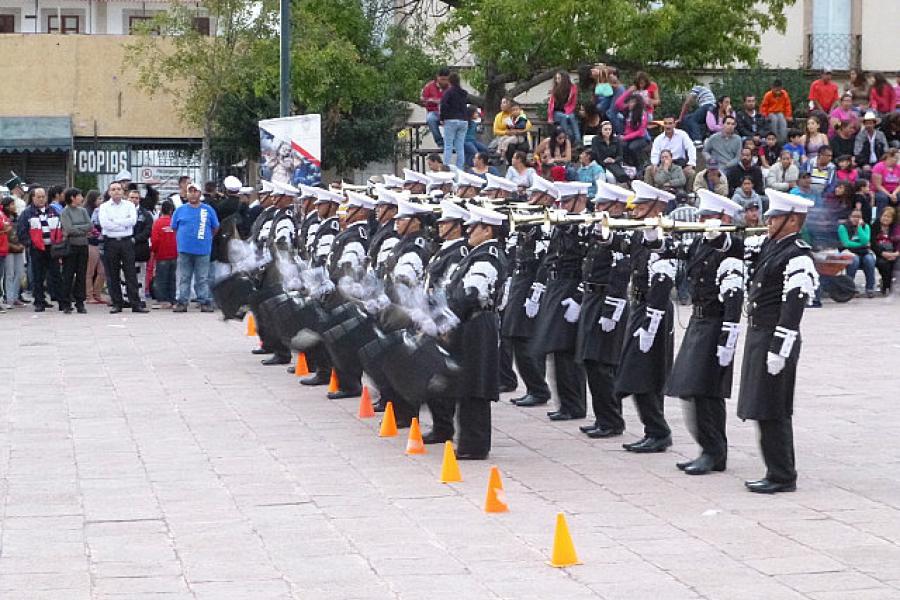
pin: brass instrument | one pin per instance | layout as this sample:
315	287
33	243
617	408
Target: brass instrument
610	223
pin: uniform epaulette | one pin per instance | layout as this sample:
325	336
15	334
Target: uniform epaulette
420	242
364	232
801	243
335	224
464	250
494	251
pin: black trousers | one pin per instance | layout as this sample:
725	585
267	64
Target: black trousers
443	411
776	440
271	341
531	368
708	426
508	377
73	276
43	269
570	384
650	410
404	410
120	260
318	360
601	380
474	425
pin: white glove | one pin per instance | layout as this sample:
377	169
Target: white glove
377	304
533	302
775	363
607	324
325	288
712	226
651	234
446	321
428	327
504	298
573	310
646	336
725	354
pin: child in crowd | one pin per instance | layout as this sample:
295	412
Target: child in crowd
845	170
745	194
770	151
795	147
165	251
864	199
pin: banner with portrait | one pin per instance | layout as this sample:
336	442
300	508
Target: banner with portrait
291	150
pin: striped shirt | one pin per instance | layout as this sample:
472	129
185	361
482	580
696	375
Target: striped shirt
686	213
44	216
704	96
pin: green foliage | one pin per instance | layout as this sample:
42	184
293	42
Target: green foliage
757	82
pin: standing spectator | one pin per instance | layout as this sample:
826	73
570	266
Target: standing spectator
870	143
693	122
562	104
76	226
430	99
117	218
678	143
555	150
724	146
55	198
813	139
634	139
770	151
821	171
711	179
750	123
164	246
589	171
881	96
453	114
38	228
608	152
776	107
858	87
795	147
5	227
745	169
142	230
14	262
843	140
472	144
823	93
95	278
856	237
668	175
886	180
195	225
745	194
886	244
784	174
843	112
715	119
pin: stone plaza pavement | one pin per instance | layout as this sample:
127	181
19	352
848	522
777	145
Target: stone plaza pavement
152	457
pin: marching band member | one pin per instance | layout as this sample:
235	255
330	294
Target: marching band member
783	281
556	323
392	182
499	188
309	223
385	237
604	313
701	375
468	185
414	182
440	183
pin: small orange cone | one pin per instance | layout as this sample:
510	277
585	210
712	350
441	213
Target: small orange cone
301	368
388	422
333	385
365	405
251	325
450	468
495	502
414	443
563	554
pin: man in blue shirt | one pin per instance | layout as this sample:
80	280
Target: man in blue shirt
195	225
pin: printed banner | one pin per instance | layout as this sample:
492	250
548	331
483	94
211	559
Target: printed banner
291	149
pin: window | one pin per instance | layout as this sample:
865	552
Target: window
831	43
70	24
201	24
7	24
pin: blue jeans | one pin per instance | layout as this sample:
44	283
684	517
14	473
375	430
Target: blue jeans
164	281
868	266
695	122
569	124
14	269
433	120
455	132
471	149
617	120
196	267
604	104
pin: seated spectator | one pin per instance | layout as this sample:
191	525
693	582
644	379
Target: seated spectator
745	168
561	105
843	201
589	171
823	93
856	236
724	146
554	150
776	107
668	175
750	145
843	112
813	139
784	174
647	89
435	163
481	166
715	119
612	114
821	171
843	139
886	180
679	145
711	179
164	247
890	127
750	123
770	151
695	121
519	172
634	139
430	98
858	87
511	129
845	170
472	144
608	151
596	81
870	143
795	147
864	199
886	244
745	194
590	119
750	217
881	95
804	188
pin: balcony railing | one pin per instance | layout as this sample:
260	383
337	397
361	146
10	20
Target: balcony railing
837	51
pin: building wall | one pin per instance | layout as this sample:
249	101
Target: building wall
91	86
785	50
880	24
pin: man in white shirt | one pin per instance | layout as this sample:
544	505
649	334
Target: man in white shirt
679	143
117	220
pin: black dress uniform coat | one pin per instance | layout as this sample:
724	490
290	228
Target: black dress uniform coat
783	280
529	251
715	269
383	241
406	263
605	275
322	241
443	264
307	234
349	251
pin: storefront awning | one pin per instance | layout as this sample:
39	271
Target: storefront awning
35	134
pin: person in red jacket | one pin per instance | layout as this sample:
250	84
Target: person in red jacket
165	252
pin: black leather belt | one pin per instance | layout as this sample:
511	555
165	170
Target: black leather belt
594	288
638	296
707	313
555	275
761	323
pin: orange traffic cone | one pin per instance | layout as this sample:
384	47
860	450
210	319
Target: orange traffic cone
450	468
333	384
414	443
495	502
251	325
563	554
301	368
365	405
388	422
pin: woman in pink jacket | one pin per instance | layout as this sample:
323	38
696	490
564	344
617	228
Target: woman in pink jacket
562	104
635	136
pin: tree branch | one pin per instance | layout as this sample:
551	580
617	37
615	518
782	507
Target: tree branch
524	86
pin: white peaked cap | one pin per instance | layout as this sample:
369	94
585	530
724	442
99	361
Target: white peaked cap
386	196
409	176
499	183
307	191
232	183
607	192
288	190
463	178
710	202
328	196
645	192
392	181
438	178
407	209
539	184
782	203
572	188
451	211
245	190
123	175
359	200
478	214
266	187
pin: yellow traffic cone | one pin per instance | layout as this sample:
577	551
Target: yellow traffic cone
563	554
251	325
450	468
495	502
388	422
